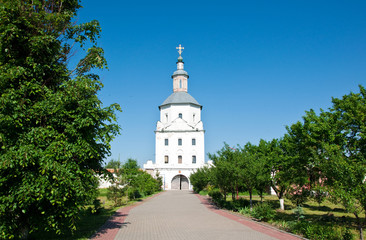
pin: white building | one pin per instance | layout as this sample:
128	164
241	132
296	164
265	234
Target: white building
179	135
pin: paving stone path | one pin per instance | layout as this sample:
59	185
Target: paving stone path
175	215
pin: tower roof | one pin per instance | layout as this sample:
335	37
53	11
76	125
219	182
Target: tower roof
180	98
180	72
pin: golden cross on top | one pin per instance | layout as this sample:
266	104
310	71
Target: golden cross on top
180	48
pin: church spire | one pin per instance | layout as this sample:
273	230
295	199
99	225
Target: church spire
180	77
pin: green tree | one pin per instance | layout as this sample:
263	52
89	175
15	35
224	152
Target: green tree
281	165
262	169
54	132
225	172
331	147
132	180
115	164
248	169
342	156
254	173
200	179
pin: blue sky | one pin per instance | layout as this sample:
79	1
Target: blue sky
255	66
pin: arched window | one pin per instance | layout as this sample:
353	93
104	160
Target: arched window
166	159
193	159
180	83
166	142
193	141
180	115
179	142
179	159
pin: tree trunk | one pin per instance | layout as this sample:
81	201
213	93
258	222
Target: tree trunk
282	204
251	202
361	234
359	225
261	195
237	193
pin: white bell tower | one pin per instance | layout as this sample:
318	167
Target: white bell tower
179	134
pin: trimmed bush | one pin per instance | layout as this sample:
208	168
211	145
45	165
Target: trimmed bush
263	212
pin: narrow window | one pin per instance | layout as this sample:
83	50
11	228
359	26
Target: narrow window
166	117
180	83
166	142
180	115
179	159
194	117
166	159
193	159
179	142
193	141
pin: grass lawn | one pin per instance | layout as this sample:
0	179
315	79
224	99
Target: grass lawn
88	223
327	213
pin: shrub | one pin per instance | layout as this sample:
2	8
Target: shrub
134	193
200	179
115	194
347	235
317	231
245	211
216	195
299	212
239	204
97	207
218	198
263	212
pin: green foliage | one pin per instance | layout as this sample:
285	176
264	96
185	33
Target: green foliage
216	195
54	132
132	182
316	231
298	196
254	172
263	211
115	164
225	173
319	194
246	211
131	166
97	207
116	193
200	179
133	194
299	212
331	146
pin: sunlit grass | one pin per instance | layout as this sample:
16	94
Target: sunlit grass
326	213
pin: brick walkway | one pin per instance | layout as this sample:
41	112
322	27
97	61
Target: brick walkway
183	215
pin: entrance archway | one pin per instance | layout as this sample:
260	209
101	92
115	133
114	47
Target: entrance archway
180	182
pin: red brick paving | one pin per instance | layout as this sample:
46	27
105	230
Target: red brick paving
110	229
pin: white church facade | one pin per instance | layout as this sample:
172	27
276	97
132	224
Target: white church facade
179	135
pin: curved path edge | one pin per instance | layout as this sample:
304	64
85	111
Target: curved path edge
111	227
271	231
